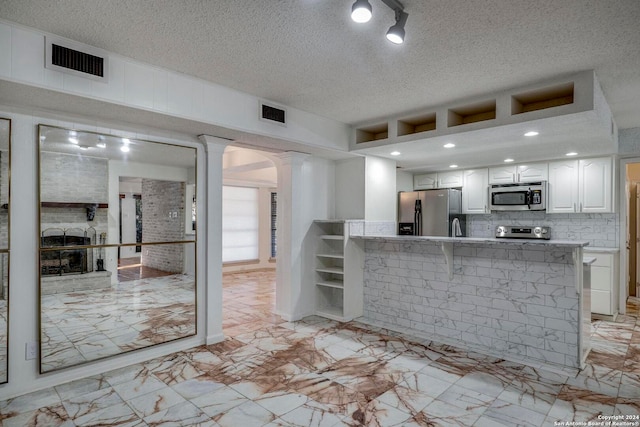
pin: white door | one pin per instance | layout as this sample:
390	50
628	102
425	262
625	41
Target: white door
502	175
563	187
128	207
595	185
533	172
475	192
637	242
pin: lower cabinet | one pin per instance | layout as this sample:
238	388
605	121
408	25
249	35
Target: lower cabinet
604	283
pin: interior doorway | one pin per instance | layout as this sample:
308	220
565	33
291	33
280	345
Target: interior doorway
249	229
629	230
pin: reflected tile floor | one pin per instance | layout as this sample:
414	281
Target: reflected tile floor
323	373
88	325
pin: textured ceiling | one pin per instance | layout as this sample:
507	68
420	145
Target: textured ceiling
309	54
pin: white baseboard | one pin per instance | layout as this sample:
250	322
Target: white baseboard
214	339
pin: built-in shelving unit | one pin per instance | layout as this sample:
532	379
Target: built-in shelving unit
338	271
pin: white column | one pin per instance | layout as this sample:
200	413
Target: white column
213	311
290	303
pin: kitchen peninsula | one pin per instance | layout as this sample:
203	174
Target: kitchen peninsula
524	300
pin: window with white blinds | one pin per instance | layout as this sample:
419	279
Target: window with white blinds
239	224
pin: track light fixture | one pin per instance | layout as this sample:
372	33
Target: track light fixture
361	12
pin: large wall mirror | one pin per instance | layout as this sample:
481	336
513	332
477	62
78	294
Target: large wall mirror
117	245
5	144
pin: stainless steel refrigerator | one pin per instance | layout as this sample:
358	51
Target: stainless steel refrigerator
431	213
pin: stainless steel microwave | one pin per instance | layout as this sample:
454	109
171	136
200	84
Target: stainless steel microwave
529	196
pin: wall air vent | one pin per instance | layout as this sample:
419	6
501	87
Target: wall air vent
75	58
273	114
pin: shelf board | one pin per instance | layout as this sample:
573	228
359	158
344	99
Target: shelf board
334	313
334	256
333	270
332	237
331	284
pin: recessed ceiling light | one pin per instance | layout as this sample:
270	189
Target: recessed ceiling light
125	148
532	133
453	166
572	153
508	160
126	140
449	145
395	153
73	133
73	140
101	145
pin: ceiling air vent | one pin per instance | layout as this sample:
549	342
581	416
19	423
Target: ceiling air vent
75	58
272	114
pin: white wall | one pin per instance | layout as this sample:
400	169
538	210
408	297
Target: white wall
404	181
138	85
380	192
350	188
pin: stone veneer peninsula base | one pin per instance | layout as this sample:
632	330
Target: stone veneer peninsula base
522	300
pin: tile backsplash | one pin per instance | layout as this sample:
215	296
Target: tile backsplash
600	230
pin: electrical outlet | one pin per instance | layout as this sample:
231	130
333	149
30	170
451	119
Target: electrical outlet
31	350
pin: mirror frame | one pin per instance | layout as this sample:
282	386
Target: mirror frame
7	251
106	246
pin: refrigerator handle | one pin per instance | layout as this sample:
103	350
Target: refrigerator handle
417	218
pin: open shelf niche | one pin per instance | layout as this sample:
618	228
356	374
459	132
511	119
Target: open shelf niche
474	113
417	124
338	270
543	98
372	133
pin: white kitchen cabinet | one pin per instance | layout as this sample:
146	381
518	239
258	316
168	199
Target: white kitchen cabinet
604	282
562	188
533	172
475	192
580	186
502	174
430	181
595	190
338	272
427	181
451	179
518	173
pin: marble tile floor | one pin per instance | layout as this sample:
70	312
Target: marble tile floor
318	372
132	269
87	325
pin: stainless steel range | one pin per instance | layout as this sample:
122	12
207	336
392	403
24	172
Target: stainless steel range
523	232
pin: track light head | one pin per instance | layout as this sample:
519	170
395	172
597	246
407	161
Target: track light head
396	32
361	11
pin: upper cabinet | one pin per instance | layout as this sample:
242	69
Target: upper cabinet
581	186
475	193
450	179
427	181
430	181
518	173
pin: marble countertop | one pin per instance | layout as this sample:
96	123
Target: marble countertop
479	240
588	260
600	249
